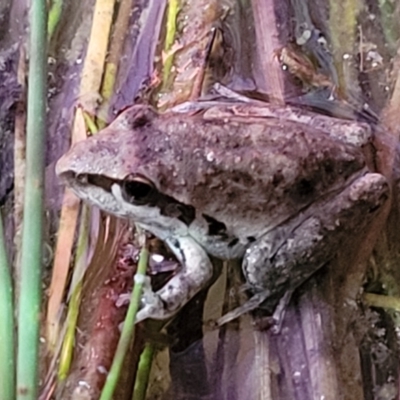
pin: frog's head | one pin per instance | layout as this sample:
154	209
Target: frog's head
116	171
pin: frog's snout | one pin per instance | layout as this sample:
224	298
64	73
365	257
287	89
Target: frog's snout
82	158
71	161
62	165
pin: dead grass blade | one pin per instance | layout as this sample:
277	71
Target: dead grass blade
88	96
270	77
19	166
115	52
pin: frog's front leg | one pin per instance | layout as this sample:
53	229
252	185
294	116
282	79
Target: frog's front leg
281	260
196	272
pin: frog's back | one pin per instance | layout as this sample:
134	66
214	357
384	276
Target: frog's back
243	172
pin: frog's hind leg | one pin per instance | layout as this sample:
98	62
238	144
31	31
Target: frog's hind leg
282	260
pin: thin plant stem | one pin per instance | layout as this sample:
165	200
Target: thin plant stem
121	27
75	301
69	339
382	301
143	372
173	9
128	331
32	243
54	17
7	346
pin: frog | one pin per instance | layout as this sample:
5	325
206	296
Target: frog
282	191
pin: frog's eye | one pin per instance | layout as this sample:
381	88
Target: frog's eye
138	190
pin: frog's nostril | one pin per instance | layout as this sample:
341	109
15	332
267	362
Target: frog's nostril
71	176
67	176
81	178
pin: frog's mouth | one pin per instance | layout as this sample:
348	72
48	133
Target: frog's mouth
136	190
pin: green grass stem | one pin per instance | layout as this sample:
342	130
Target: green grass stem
128	330
7	346
173	10
382	301
143	372
32	235
75	301
54	17
69	339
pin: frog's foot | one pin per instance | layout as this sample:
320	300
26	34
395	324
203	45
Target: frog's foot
151	303
196	272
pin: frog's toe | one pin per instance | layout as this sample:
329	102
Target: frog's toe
152	307
274	322
148	311
150	301
250	305
280	310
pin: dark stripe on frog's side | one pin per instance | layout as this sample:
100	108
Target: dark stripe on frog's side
170	207
233	242
215	228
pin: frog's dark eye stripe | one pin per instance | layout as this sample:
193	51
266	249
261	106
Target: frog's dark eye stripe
138	190
96	180
175	209
215	228
233	242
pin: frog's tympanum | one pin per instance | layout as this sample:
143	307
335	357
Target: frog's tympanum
281	195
